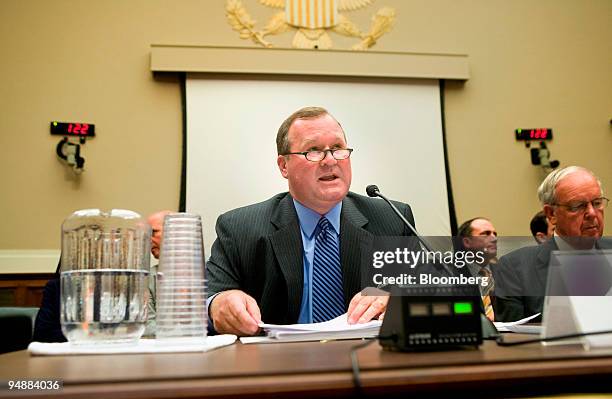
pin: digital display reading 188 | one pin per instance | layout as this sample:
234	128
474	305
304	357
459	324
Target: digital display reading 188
73	129
534	134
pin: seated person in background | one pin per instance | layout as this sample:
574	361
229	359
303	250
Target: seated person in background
47	327
572	199
541	228
156	220
296	257
474	235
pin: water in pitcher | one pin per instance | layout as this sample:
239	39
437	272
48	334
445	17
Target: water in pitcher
104	276
104	305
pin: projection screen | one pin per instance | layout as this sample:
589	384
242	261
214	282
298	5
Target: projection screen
395	127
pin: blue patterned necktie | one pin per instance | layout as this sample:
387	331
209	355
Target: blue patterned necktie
327	292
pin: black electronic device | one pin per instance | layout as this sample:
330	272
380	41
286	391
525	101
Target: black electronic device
432	317
414	321
73	129
535	156
69	148
70	153
533	134
541	156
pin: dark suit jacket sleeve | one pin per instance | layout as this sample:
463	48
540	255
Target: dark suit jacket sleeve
222	267
509	304
47	327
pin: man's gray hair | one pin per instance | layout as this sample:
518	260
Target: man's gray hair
547	192
282	137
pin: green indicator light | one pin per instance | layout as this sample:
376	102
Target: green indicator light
463	308
54	123
519	130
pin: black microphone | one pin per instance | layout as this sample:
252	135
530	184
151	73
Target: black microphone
373	191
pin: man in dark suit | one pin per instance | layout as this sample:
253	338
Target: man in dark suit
573	202
263	264
47	327
541	228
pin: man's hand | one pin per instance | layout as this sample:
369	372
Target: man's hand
235	312
364	308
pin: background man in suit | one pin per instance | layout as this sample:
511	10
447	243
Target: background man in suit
474	235
47	327
572	199
266	261
541	228
156	220
479	234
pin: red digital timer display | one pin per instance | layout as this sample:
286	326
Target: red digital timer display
533	134
73	129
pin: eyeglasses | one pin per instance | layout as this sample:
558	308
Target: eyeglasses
317	156
598	204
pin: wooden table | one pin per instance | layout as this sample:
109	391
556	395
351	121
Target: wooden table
319	369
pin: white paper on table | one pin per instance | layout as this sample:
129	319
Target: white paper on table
340	323
518	327
337	328
141	346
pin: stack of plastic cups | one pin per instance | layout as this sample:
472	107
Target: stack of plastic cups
181	288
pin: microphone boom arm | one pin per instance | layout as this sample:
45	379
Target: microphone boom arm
373	191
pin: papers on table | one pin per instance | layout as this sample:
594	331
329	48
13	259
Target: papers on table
337	328
142	346
519	327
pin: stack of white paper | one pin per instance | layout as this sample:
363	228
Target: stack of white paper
519	327
337	328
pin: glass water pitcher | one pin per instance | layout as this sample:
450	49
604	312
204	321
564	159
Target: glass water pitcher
104	276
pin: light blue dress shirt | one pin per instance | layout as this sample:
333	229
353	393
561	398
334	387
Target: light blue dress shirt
308	224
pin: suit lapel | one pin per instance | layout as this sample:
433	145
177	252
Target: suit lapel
543	258
354	243
287	245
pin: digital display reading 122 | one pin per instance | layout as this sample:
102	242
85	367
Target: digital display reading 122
73	129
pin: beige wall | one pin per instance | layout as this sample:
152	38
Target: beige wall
539	63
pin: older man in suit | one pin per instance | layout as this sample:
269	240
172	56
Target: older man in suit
573	201
296	257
